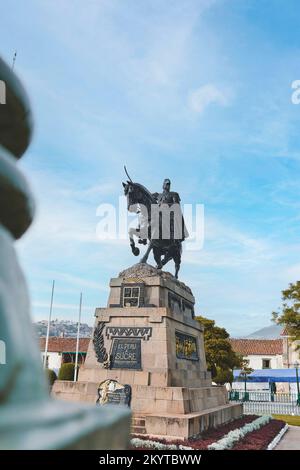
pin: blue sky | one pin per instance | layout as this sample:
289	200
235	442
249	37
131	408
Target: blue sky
197	91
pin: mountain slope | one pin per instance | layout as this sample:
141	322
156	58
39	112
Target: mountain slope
269	332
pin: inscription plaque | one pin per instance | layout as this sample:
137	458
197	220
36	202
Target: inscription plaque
126	354
111	392
186	346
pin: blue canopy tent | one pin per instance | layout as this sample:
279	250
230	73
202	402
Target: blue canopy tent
267	375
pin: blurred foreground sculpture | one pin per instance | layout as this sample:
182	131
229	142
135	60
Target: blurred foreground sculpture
29	419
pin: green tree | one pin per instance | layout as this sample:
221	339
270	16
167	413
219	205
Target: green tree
220	357
51	376
66	371
245	370
289	313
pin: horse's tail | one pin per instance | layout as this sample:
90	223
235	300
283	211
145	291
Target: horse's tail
127	174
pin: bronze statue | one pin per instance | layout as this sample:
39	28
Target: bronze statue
161	223
167	197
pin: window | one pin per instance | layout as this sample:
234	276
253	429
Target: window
266	363
131	296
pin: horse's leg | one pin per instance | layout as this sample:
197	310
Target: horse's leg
157	257
145	257
177	260
167	258
135	250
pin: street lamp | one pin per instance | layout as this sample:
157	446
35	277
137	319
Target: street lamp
296	365
246	394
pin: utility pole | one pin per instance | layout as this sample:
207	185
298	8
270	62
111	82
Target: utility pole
14	60
77	342
48	327
297	379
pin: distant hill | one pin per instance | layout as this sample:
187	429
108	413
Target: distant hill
64	328
269	332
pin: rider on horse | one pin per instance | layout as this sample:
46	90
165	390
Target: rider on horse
161	222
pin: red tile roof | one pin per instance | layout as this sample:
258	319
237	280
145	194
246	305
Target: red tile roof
61	345
248	347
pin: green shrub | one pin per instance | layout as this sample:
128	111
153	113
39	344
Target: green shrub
66	372
222	376
51	376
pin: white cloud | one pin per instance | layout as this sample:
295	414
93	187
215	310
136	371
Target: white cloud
62	306
292	273
201	98
78	281
228	246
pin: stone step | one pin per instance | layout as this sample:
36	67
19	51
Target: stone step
138	421
138	424
138	430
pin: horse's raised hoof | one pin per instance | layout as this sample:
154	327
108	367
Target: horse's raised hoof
136	251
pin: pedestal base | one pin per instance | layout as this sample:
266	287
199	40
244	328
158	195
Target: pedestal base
180	427
169	412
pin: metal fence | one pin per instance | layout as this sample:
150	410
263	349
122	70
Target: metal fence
255	402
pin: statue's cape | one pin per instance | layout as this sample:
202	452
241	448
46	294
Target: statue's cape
170	224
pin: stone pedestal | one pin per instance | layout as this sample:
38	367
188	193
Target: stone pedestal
147	337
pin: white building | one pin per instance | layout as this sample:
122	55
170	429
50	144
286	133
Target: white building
260	353
267	354
62	350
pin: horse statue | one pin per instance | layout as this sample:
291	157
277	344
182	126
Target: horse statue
161	223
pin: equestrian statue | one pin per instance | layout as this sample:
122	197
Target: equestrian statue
161	223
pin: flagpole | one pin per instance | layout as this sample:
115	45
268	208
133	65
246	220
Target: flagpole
14	60
48	327
77	342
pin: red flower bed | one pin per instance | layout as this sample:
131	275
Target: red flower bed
256	440
260	439
212	435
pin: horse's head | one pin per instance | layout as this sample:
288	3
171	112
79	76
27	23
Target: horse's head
130	193
136	194
126	187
